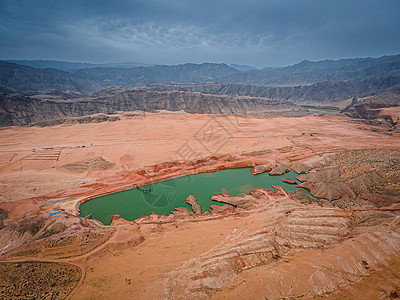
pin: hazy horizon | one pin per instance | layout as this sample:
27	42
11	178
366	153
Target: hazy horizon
205	62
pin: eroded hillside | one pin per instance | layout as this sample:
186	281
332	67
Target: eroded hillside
273	243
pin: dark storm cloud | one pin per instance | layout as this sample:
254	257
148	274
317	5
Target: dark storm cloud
273	32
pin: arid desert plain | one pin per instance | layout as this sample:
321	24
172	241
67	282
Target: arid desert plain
271	244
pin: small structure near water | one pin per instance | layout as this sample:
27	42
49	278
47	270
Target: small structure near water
54	213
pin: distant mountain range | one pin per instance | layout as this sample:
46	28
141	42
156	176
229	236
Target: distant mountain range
307	73
242	67
29	94
86	78
20	78
65	65
141	76
321	92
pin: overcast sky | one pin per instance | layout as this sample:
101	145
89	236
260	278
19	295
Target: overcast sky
253	32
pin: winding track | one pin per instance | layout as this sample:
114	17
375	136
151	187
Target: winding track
77	261
80	260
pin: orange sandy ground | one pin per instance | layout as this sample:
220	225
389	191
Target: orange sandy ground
142	272
141	141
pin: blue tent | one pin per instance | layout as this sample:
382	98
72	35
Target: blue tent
54	213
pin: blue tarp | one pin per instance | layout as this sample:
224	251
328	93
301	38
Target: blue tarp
54	213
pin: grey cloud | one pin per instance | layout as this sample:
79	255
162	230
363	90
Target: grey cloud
272	32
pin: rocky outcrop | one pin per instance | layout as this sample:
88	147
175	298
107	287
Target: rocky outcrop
358	268
358	174
256	198
301	195
279	170
283	231
52	236
98	118
317	92
126	237
385	198
222	208
184	210
21	110
261	169
328	190
293	242
192	201
369	109
283	243
242	201
301	168
321	92
289	180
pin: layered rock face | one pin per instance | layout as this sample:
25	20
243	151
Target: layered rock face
21	110
203	276
370	109
367	177
321	92
276	246
56	236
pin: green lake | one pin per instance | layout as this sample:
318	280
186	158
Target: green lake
167	195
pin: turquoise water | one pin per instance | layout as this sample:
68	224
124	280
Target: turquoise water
167	195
